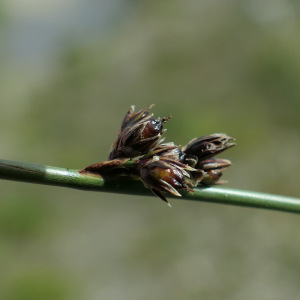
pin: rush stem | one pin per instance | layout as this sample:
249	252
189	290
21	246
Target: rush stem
40	174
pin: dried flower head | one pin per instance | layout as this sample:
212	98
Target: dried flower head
162	174
204	147
139	133
163	167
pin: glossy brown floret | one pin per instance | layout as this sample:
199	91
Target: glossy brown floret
205	147
139	133
161	174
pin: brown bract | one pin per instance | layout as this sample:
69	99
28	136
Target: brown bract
105	167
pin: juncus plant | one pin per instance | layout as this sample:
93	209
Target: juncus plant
163	167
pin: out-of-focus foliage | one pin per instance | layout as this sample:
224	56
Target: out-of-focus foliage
216	66
36	285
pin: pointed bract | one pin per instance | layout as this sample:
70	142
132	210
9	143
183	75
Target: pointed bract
105	167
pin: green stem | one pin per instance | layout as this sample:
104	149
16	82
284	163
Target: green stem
34	173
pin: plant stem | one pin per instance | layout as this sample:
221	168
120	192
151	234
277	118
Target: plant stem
34	173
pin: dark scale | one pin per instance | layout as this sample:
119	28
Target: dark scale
153	128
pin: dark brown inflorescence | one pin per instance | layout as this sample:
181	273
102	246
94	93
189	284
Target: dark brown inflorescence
139	133
163	167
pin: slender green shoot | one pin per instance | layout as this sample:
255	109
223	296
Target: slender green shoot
40	174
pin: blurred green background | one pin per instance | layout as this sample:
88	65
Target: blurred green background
69	72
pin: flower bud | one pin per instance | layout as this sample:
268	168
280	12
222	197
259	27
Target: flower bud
139	133
162	174
213	169
202	148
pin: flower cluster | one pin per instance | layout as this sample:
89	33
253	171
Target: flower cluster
163	167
